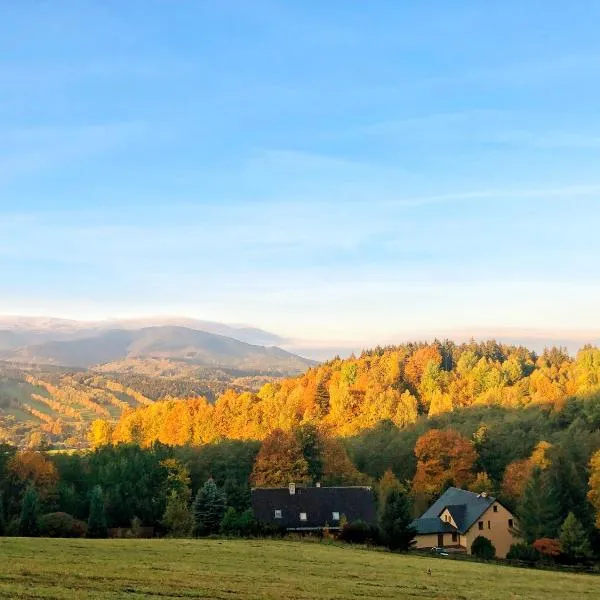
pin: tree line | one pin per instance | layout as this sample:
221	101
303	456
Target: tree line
397	384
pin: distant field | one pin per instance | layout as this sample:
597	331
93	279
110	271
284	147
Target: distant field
69	569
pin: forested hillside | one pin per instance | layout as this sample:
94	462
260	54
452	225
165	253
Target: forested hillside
396	384
55	407
483	416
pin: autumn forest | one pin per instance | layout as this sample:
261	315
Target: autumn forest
417	417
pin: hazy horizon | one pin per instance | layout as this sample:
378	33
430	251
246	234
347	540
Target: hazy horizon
319	349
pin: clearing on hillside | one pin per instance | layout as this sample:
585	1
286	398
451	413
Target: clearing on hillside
260	569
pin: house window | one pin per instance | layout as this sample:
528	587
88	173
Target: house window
510	523
278	514
303	517
495	508
455	537
489	524
335	516
480	525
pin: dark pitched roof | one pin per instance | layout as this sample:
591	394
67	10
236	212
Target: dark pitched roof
465	507
459	513
425	526
319	504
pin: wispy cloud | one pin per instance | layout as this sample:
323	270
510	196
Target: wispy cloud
481	126
26	151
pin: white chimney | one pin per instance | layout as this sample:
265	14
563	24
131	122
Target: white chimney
292	489
318	484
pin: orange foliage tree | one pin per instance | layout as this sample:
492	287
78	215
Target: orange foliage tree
279	461
516	476
417	363
31	467
443	457
518	472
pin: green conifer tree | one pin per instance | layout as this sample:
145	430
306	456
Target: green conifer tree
538	511
567	475
395	520
573	539
97	518
322	399
208	509
28	523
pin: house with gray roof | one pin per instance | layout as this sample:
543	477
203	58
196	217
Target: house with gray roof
458	516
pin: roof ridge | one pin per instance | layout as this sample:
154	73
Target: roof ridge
314	487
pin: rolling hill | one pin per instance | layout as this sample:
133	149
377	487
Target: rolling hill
170	342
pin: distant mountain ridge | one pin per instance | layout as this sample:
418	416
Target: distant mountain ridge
38	329
86	348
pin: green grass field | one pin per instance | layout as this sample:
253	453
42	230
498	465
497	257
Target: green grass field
68	569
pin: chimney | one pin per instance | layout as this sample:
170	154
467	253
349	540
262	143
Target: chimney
318	484
292	489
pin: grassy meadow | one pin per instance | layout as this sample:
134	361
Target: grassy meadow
239	569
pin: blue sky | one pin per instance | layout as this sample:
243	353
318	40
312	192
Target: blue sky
337	171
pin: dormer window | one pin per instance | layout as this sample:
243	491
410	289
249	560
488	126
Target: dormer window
278	514
303	517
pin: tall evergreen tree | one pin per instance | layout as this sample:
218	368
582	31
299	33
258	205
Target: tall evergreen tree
208	509
97	520
394	523
538	512
309	439
573	539
28	523
322	399
567	474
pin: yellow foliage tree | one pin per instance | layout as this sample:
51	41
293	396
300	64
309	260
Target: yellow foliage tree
100	433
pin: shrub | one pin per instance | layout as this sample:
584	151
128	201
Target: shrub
13	527
358	532
240	524
523	552
136	527
547	547
483	548
2	521
61	525
178	519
